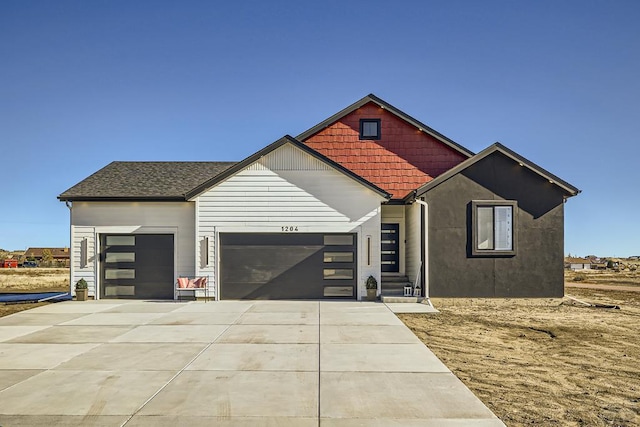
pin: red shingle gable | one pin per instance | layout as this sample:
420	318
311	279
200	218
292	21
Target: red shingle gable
403	159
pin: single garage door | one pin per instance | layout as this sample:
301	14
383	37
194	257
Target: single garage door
287	266
136	266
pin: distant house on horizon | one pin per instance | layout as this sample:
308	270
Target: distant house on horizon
574	263
59	255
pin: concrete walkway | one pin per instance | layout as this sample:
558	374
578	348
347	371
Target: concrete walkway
270	363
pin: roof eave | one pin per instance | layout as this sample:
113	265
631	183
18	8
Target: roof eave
63	198
399	113
287	139
553	179
409	198
497	147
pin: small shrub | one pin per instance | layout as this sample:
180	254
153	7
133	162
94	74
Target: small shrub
372	283
579	277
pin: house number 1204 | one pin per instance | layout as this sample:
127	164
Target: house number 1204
289	228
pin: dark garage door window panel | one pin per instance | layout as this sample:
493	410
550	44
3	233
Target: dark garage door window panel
331	257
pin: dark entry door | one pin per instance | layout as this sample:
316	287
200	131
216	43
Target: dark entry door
287	265
390	248
136	266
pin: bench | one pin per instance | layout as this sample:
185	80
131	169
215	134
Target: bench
193	285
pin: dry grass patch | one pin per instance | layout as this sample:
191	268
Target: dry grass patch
604	277
34	280
19	280
557	365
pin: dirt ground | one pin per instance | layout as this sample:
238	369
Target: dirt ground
7	309
548	365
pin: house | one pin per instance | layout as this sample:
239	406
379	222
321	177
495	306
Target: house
368	191
57	256
603	265
574	263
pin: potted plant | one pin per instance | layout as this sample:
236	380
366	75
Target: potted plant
82	288
372	288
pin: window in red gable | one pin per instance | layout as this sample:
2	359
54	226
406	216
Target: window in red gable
369	128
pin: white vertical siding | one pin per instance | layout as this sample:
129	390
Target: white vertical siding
88	219
87	272
288	157
369	265
290	188
425	220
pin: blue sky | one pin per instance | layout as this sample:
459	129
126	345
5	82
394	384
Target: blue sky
83	83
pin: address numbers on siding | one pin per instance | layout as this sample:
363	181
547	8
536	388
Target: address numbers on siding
289	228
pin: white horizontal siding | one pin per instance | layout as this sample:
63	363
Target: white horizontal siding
289	188
310	198
88	219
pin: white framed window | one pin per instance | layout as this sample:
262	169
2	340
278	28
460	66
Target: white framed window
493	227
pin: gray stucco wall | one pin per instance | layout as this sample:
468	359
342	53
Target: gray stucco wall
536	269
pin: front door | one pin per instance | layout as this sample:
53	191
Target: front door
390	248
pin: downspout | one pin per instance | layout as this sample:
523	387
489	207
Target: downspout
424	248
69	206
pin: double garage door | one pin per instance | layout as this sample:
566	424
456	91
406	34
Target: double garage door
287	266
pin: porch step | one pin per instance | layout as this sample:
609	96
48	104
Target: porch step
392	288
392	284
393	292
394	279
401	299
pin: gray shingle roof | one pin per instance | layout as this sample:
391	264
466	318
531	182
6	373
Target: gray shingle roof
144	180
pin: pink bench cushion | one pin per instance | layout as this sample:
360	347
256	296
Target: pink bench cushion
200	282
186	283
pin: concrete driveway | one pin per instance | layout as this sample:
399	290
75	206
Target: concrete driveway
235	363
